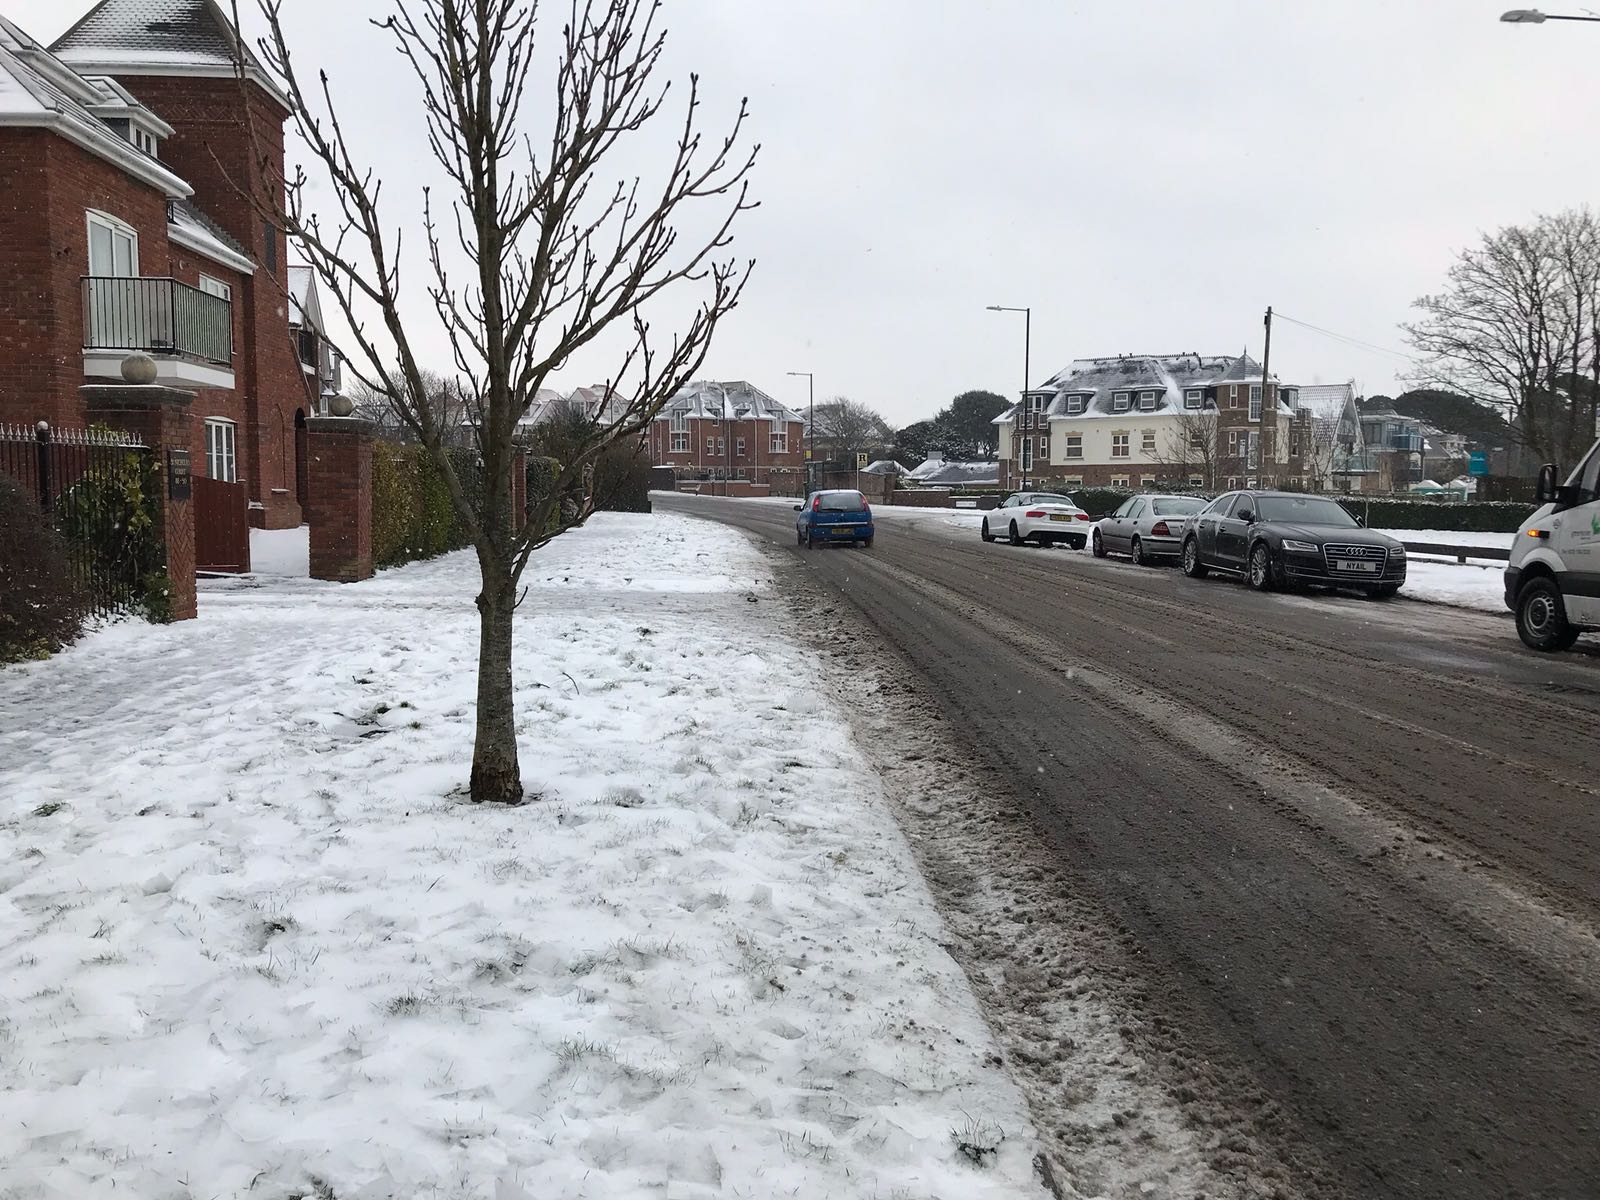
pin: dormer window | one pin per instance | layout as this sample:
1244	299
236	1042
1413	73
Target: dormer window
1120	401
144	140
1193	398
1147	402
1075	405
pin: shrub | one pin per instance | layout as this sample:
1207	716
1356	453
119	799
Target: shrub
41	604
108	517
622	479
1429	514
412	515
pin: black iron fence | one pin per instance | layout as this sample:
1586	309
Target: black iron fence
157	317
95	486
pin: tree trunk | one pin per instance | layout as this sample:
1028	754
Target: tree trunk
496	775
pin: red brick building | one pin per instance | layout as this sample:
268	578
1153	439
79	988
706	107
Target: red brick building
131	137
728	431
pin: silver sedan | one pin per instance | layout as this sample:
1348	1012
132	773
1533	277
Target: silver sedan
1145	527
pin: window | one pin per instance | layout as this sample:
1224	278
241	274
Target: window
1044	448
1125	509
113	247
1233	395
1119	402
722	447
1294	443
1233	441
1074	445
1193	398
1075	404
144	140
780	441
711	445
738	447
1119	445
1197	441
1255	402
680	433
1147	481
1147	444
1027	454
221	464
1036	409
215	287
1119	481
1073	481
1196	481
269	244
1147	401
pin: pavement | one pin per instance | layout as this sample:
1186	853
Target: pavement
1354	844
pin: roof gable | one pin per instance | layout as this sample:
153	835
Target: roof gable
161	37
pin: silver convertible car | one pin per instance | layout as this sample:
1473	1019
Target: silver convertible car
1145	527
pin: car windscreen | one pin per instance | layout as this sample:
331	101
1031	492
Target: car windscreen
841	502
1177	506
1304	510
1050	498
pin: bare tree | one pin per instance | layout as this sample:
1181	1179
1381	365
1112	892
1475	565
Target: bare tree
554	255
1519	327
445	400
846	427
1321	451
1193	446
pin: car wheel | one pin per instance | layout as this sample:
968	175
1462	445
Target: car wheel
808	539
867	542
800	538
1192	566
1542	617
984	532
1099	545
1261	569
1139	560
1016	538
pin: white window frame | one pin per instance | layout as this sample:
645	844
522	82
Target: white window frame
222	453
1196	481
1044	448
722	447
1076	404
215	287
1120	401
1194	398
116	228
1074	445
711	447
1073	481
1119	445
1255	402
1147	441
1119	481
1147	402
1147	481
680	443
144	140
780	442
738	447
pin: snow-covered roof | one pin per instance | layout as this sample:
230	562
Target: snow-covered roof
1168	376
885	466
38	90
732	401
190	227
1327	401
939	471
541	408
160	37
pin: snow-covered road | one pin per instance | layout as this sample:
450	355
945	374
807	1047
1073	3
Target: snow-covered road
254	943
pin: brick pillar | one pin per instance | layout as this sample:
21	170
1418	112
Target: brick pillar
339	492
160	416
519	490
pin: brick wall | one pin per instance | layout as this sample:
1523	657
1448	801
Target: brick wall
339	499
44	252
211	148
759	463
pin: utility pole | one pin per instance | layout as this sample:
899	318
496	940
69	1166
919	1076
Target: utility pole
1027	373
1261	455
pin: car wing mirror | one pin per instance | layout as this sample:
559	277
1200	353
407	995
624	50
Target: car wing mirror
799	508
1246	515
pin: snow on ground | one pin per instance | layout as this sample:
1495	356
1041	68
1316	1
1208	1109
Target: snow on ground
282	552
253	941
1462	586
1454	537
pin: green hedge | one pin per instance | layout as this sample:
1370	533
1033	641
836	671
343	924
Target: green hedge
622	479
41	601
412	516
1424	514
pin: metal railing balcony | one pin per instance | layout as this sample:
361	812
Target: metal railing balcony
157	316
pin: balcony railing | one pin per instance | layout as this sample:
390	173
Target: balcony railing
158	317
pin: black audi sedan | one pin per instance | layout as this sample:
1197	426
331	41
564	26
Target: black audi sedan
1287	539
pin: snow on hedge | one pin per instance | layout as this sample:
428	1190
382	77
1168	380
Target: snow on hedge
252	942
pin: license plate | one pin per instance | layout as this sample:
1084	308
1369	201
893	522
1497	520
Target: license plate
1060	517
844	529
1357	568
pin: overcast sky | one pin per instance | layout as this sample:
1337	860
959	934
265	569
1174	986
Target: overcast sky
1148	175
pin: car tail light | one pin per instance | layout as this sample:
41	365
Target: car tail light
816	504
1159	529
1083	516
1034	512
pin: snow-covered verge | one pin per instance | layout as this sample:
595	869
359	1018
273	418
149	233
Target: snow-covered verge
1459	585
254	943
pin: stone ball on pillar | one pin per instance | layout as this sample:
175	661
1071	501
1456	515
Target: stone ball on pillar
139	369
341	405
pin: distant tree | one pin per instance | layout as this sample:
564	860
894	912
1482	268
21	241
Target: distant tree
913	443
970	419
1454	413
1194	446
1517	325
443	397
845	428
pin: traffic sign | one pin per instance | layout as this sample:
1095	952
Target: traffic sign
861	461
1478	462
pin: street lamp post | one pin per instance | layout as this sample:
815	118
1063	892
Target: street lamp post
811	421
1532	16
1022	402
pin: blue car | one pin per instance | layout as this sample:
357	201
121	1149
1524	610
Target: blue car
839	516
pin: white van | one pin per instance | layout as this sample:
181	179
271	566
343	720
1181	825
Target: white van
1553	578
